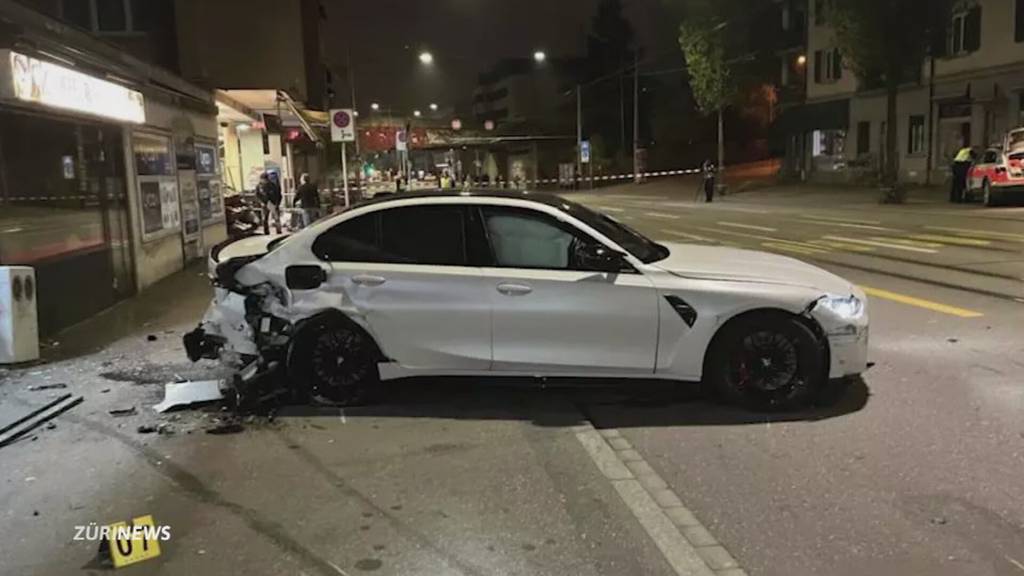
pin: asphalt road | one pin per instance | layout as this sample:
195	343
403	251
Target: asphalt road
917	472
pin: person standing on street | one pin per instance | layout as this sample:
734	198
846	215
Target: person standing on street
308	196
269	195
961	165
709	181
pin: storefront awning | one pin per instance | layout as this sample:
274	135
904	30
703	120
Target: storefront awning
832	115
278	103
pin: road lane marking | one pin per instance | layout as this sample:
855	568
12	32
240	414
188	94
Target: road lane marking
847	220
982	233
688	235
662	215
748	226
759	237
794	249
881	244
920	303
610	209
904	241
843	245
848	225
958	240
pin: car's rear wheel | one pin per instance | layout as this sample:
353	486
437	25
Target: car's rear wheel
334	362
766	361
986	190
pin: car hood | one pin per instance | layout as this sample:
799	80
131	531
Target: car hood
736	265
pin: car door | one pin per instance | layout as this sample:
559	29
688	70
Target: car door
550	314
984	168
404	271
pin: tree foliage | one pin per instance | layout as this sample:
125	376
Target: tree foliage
711	80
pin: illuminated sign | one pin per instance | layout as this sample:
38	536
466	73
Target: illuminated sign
49	84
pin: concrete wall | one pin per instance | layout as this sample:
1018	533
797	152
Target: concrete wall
872	108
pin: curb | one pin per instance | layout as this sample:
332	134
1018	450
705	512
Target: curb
687	545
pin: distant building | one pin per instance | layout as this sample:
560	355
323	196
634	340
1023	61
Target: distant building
969	94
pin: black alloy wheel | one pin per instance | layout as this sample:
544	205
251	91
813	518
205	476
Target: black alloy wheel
334	364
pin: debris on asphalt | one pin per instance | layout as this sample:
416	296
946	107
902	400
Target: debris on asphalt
54	386
146	429
939	520
178	394
225	428
151	338
952	340
50	425
32	420
105	390
122	411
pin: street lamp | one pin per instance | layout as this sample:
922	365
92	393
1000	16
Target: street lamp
375	107
426	58
433	107
540	56
416	113
801	60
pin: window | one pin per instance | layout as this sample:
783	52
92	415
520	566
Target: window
117	16
425	235
915	143
828	142
525	239
1018	13
990	157
828	66
863	138
356	240
965	32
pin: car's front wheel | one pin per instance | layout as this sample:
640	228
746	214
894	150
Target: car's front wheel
990	199
766	361
333	362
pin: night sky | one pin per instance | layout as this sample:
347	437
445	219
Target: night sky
465	37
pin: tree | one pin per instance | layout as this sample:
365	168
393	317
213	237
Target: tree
886	42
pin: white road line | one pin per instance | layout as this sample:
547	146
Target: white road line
748	226
848	225
957	240
688	235
759	237
662	215
881	244
848	220
795	249
906	242
610	209
981	233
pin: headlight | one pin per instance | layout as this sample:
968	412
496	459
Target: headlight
845	307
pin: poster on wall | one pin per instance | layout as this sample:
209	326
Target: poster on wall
169	205
189	204
211	205
149	200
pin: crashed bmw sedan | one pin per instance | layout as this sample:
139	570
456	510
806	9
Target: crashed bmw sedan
524	284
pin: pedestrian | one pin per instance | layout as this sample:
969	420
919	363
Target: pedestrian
961	165
308	196
446	180
269	194
709	180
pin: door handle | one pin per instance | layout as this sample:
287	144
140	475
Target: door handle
368	280
514	289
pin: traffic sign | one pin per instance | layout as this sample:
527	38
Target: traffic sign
585	151
401	141
343	125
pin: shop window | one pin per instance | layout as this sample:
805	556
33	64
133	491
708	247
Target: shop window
157	186
916	137
863	138
828	142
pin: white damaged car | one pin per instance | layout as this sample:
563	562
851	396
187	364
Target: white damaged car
524	284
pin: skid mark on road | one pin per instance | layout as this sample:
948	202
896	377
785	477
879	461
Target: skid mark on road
920	303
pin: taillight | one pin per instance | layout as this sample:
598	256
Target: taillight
1000	169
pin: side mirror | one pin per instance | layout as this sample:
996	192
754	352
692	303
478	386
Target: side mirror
598	257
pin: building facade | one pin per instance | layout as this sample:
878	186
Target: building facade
970	93
109	170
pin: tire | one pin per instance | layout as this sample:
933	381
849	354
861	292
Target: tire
987	196
333	361
766	362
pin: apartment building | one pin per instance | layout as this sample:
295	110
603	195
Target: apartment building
970	93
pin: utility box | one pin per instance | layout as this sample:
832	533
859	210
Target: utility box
19	325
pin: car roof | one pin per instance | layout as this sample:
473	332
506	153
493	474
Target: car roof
539	197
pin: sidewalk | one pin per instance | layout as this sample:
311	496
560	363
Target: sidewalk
443	478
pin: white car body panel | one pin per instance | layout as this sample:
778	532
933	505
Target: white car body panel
454	321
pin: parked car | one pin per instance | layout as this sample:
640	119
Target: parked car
524	284
998	175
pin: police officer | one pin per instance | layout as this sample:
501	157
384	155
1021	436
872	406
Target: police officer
961	165
709	180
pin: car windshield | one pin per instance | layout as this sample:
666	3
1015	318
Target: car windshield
640	246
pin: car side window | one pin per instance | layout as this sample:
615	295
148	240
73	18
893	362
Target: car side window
522	238
990	157
355	240
434	235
